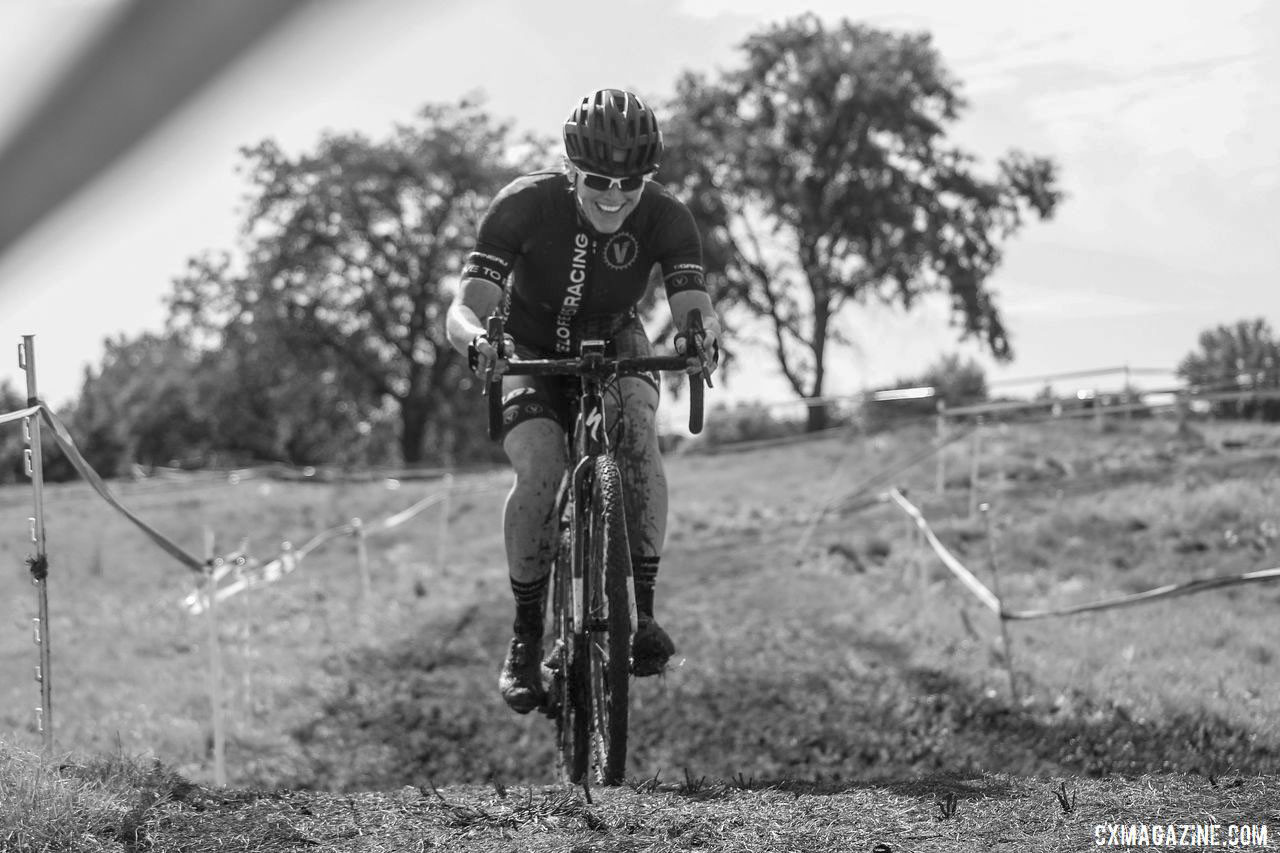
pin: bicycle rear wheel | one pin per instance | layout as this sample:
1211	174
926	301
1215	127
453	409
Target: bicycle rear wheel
609	621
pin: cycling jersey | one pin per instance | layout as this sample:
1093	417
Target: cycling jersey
562	276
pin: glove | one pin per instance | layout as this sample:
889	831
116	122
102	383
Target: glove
484	359
710	350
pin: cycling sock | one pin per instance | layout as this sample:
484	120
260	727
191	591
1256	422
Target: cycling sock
644	571
531	604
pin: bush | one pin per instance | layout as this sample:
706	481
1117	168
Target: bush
749	422
954	382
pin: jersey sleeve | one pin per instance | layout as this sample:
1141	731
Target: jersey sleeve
502	230
681	255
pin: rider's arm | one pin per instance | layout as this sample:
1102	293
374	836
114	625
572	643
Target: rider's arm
693	300
682	275
477	298
487	268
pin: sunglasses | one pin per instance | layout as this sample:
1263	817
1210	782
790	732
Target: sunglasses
604	183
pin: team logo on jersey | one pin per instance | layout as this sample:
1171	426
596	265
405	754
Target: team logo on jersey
573	292
621	251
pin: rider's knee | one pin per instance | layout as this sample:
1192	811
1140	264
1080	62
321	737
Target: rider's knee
536	451
639	400
640	420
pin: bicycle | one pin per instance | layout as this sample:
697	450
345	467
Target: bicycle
593	614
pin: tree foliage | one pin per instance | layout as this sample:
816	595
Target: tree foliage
12	443
821	176
341	296
1241	356
141	406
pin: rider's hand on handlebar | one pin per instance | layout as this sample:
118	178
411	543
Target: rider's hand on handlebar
705	355
484	358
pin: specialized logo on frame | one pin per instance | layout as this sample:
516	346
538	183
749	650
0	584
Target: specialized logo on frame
621	251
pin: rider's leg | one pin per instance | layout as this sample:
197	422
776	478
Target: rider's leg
535	445
645	487
644	483
536	450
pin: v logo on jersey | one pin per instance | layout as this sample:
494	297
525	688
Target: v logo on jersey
621	250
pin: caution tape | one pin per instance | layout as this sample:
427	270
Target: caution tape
992	603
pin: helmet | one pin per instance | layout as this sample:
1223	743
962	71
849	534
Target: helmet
614	133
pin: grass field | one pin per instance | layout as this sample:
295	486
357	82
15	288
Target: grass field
825	655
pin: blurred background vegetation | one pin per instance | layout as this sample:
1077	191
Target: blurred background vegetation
821	176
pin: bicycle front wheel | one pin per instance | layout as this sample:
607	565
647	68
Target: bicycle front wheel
609	621
570	694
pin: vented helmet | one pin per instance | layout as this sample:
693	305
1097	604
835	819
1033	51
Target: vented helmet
612	132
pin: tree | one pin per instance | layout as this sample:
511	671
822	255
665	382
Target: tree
158	400
1242	356
348	251
140	406
821	177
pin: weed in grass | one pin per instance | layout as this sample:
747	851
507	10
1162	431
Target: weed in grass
692	787
1068	804
947	805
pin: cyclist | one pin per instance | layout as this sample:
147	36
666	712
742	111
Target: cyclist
567	253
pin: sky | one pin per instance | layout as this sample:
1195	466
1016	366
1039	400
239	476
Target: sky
1164	120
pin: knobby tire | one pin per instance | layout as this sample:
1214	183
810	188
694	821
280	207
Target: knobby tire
570	683
609	613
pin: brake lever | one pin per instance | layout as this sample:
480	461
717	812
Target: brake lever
703	361
493	380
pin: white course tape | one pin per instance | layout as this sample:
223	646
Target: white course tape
986	596
250	573
989	598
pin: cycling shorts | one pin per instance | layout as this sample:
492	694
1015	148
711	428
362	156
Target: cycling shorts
528	397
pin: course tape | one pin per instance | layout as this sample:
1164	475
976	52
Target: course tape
250	573
865	488
989	599
1168	591
63	438
20	414
986	596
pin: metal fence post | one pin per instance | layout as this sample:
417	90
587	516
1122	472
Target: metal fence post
40	562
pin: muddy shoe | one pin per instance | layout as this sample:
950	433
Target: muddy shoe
651	648
520	681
